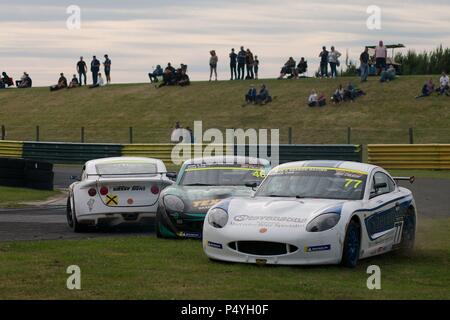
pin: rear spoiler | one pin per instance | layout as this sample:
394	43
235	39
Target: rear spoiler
410	179
126	174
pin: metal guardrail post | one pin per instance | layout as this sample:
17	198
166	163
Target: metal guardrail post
37	133
3	132
349	135
290	135
131	135
411	136
82	134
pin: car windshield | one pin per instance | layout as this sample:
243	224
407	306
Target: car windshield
126	168
314	182
222	174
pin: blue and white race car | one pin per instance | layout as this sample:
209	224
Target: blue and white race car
314	212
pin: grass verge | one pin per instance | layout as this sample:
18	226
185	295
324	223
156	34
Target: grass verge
13	197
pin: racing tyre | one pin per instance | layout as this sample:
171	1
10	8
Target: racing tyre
158	225
352	244
408	231
72	219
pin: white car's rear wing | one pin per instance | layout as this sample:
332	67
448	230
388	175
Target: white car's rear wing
410	179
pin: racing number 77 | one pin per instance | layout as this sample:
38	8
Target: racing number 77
348	183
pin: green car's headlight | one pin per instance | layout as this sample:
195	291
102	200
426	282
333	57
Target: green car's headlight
173	203
217	217
323	222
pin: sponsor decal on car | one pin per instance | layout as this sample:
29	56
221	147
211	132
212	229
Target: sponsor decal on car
129	188
204	204
90	204
324	247
268	221
112	200
192	235
215	245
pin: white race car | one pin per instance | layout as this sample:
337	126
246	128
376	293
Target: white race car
112	191
313	212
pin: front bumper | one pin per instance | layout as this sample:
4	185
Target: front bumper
310	248
182	224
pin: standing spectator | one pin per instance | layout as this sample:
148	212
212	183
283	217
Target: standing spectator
444	84
62	83
155	74
364	67
256	67
213	64
324	62
241	59
233	62
380	57
95	68
249	62
82	70
107	65
333	59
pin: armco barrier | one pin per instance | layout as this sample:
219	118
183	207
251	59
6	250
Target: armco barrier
410	156
69	152
11	149
26	173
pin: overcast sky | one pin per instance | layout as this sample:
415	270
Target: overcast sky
139	34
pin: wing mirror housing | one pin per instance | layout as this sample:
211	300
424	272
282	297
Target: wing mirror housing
172	175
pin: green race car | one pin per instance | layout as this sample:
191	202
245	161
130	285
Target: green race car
200	184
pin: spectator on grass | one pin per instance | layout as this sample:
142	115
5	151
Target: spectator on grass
250	97
352	92
82	70
95	68
313	99
249	61
2	84
107	66
7	80
388	75
169	76
427	89
263	96
333	59
322	100
256	67
25	81
181	78
155	74
380	57
288	68
324	62
241	59
444	84
302	67
233	63
338	95
213	64
62	83
74	82
364	67
100	82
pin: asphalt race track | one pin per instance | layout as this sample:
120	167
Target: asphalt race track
49	222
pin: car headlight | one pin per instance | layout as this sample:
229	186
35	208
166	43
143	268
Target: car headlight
218	218
323	222
173	203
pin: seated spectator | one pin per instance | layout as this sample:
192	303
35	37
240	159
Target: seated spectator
25	81
263	96
288	68
352	92
302	67
444	84
100	82
321	100
313	99
62	83
250	97
427	89
183	78
158	72
388	75
2	84
74	82
168	77
338	95
8	81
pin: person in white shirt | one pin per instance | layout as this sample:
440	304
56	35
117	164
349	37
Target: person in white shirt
380	57
312	100
333	59
444	84
100	82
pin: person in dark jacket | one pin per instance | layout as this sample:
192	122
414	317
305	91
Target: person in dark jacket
155	74
95	68
263	96
249	61
324	62
82	70
107	66
250	97
241	60
233	63
7	80
62	83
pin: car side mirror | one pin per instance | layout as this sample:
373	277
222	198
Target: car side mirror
75	178
172	175
252	185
